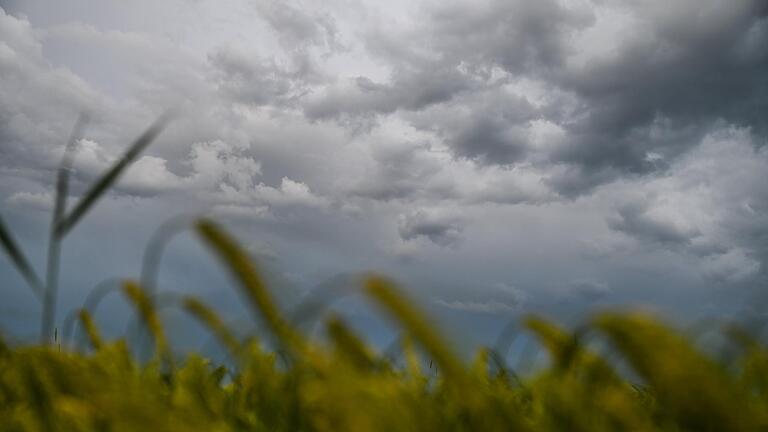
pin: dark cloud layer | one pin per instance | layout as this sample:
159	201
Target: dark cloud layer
440	229
663	80
634	220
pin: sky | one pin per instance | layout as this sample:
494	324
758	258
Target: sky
496	157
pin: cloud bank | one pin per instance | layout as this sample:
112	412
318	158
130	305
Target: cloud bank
579	151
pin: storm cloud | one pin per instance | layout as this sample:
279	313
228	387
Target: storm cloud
496	156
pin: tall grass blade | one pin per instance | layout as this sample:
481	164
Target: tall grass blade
569	354
562	346
62	224
149	315
412	363
348	345
245	271
4	349
503	370
695	390
65	168
48	315
110	177
389	298
54	240
480	366
19	260
92	300
94	337
211	320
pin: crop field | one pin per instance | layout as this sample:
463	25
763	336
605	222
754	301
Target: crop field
651	378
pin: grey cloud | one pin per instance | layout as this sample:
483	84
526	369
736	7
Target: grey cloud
40	201
509	293
521	36
490	126
439	229
673	78
404	171
491	140
712	206
505	185
498	298
409	90
414	90
33	92
353	99
278	80
297	28
417	172
666	80
732	266
518	35
456	52
634	220
575	180
490	306
374	189
588	290
259	81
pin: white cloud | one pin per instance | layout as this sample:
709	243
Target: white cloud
221	165
711	204
290	193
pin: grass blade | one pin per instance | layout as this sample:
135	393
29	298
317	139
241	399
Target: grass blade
19	260
349	346
4	348
387	295
246	272
110	177
148	313
90	329
562	346
211	320
54	240
694	389
65	168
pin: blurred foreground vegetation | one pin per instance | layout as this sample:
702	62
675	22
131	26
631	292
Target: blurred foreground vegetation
343	384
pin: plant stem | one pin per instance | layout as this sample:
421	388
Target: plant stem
51	288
